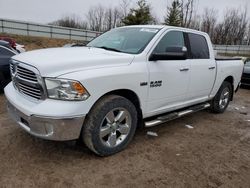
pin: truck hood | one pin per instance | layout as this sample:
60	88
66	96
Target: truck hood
54	62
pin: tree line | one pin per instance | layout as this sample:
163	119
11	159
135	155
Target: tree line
233	29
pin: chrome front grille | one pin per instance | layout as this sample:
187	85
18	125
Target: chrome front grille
11	68
26	80
30	91
26	74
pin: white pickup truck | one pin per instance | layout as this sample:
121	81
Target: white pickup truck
129	76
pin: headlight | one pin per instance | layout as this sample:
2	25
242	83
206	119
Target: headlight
65	89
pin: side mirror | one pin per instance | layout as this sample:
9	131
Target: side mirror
172	53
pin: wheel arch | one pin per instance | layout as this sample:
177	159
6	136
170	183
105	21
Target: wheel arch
131	96
230	79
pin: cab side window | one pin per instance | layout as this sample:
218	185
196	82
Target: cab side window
199	47
171	39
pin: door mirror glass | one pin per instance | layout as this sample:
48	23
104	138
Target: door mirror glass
175	49
171	53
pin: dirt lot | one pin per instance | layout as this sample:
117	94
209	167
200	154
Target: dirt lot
215	153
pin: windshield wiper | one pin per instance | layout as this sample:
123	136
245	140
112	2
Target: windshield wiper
110	49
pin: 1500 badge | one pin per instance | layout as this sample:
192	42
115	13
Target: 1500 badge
156	83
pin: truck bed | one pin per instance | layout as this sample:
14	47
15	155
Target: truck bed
225	58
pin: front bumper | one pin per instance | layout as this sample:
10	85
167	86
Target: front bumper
50	128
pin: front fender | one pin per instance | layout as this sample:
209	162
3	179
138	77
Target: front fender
101	81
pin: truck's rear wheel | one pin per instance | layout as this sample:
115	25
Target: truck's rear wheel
110	125
221	100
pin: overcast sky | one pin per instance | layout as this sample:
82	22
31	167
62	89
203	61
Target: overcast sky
44	11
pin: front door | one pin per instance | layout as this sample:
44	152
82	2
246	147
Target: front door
169	79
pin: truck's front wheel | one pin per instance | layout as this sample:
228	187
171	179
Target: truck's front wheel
110	125
221	100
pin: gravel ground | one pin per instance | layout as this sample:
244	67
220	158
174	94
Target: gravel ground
215	153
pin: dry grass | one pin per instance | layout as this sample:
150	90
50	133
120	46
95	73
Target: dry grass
32	43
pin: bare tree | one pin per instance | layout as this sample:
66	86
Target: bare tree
248	36
101	18
95	17
196	22
124	7
187	9
233	28
218	30
243	23
112	18
71	21
209	20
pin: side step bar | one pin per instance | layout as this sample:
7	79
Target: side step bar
175	115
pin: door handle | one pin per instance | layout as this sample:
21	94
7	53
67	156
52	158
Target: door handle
184	69
211	68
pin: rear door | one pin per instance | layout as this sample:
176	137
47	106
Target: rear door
203	68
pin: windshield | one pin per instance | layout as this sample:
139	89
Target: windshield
128	40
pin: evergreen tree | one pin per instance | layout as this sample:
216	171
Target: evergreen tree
140	15
173	17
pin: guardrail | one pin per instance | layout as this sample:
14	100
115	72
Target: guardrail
50	31
232	49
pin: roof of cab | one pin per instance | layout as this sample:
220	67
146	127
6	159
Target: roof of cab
167	27
148	26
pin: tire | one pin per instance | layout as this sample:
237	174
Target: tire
221	100
103	131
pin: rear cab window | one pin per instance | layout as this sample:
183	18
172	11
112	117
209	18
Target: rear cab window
198	46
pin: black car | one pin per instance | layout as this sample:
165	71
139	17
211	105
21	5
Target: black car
6	52
245	80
